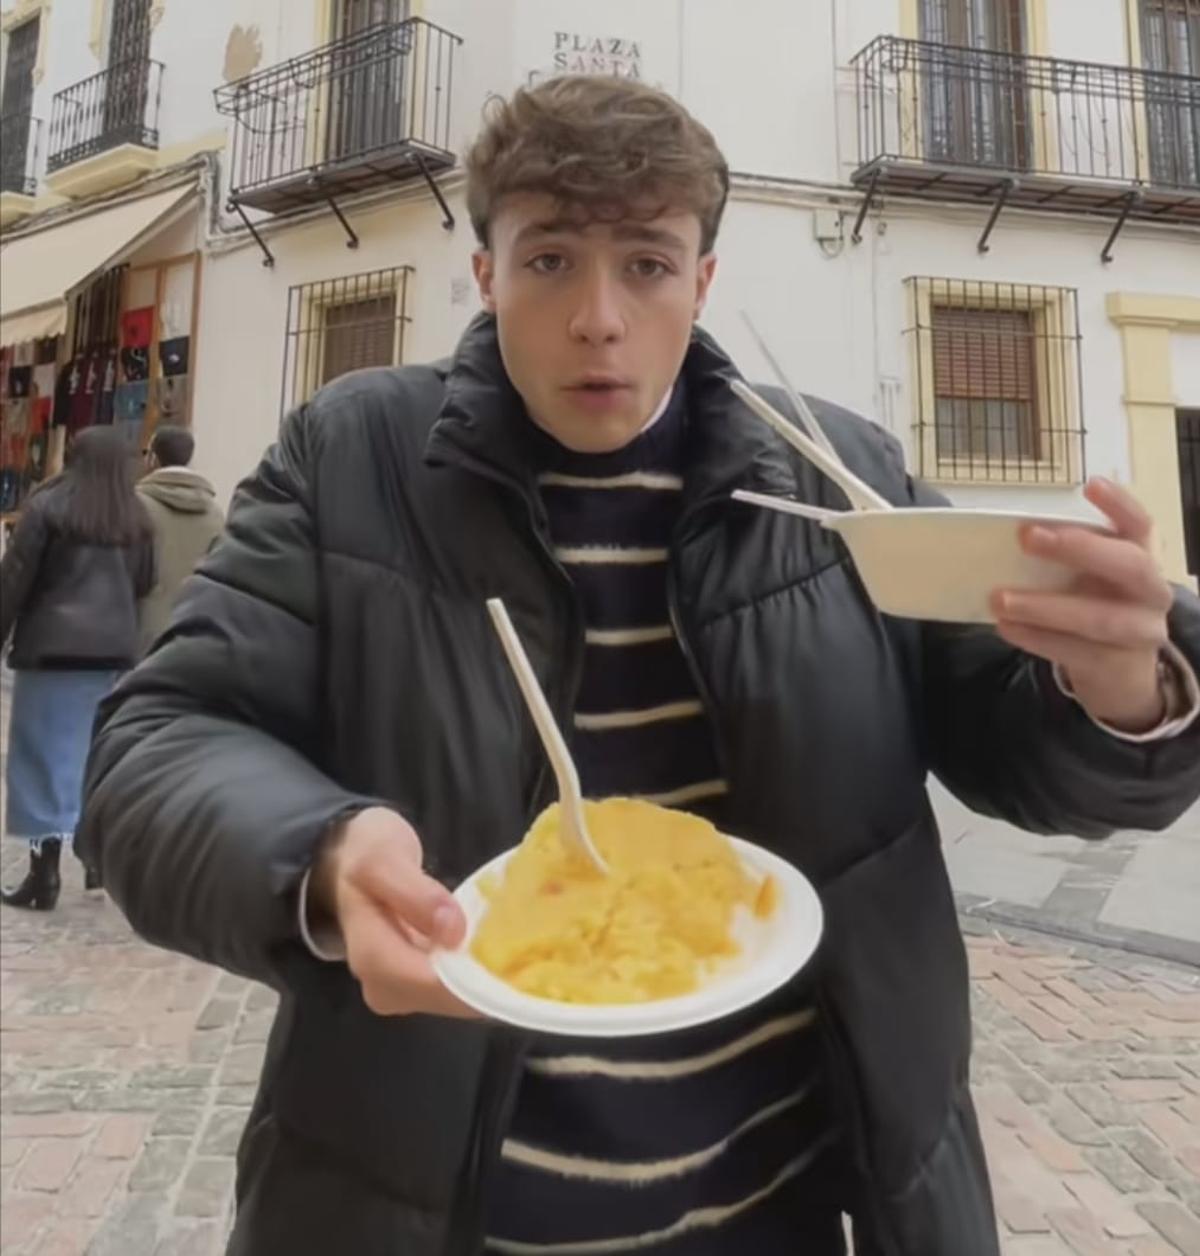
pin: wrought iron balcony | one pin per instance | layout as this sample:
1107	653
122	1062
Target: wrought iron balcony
20	140
965	124
355	114
117	106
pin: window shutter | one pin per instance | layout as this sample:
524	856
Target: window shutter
984	354
359	334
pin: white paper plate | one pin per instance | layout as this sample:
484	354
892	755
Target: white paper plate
773	951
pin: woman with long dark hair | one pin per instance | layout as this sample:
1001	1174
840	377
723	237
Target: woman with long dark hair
80	558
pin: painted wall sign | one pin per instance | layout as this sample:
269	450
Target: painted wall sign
576	53
628	39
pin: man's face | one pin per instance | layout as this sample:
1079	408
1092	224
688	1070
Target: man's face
594	320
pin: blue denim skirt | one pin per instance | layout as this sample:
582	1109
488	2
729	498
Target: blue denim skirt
49	733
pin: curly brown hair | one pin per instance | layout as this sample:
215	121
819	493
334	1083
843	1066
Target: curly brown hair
607	148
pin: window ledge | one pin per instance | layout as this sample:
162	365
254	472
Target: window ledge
14	206
983	481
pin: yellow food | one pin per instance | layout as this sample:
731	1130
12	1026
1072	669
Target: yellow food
654	927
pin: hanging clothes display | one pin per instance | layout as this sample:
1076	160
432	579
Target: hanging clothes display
69	379
36	458
43	397
128	362
137	331
108	386
27	374
10	490
135	363
14	434
137	328
172	397
173	356
43	380
84	379
130	401
20	380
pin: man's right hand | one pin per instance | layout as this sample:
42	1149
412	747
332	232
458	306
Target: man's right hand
368	879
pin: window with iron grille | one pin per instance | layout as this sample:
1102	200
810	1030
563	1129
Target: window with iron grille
340	325
1171	45
16	106
997	383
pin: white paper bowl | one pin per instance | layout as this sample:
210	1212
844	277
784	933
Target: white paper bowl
773	951
944	563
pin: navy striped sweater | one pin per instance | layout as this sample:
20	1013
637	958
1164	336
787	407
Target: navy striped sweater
702	1143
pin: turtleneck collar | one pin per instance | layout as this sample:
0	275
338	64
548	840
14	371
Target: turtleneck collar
483	424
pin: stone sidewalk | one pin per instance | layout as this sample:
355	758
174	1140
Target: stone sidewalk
1137	891
127	1073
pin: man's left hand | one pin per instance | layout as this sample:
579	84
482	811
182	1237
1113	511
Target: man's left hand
1107	632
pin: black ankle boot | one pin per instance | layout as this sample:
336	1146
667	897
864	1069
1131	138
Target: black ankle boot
40	888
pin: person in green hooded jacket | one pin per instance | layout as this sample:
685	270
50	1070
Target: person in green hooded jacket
182	505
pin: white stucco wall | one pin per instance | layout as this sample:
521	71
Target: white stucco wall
240	347
837	323
1087	31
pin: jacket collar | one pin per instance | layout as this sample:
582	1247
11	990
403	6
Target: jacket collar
483	425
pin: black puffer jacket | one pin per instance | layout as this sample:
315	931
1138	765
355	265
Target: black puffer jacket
68	604
334	650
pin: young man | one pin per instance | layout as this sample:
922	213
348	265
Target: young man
182	505
329	737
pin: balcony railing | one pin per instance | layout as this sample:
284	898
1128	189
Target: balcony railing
20	141
117	106
950	122
357	113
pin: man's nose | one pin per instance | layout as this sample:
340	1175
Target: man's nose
598	318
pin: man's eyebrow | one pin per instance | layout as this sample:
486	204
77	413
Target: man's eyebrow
641	233
551	226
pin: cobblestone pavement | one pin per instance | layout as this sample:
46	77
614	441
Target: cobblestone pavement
1087	1073
127	1073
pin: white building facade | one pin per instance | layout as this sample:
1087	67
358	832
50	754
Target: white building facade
976	221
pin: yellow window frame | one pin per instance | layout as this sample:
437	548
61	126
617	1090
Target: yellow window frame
22	12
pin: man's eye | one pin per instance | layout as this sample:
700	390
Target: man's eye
649	268
548	263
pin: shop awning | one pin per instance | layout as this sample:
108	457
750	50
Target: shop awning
39	272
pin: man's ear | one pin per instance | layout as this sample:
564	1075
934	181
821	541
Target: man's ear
485	273
706	268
